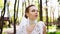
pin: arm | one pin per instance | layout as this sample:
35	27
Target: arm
44	28
41	24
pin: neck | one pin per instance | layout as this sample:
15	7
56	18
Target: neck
32	21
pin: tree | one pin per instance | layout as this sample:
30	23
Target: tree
41	10
59	18
2	16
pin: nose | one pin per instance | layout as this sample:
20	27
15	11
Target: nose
36	12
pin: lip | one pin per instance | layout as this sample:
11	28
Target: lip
36	15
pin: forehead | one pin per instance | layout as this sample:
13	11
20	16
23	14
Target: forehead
33	7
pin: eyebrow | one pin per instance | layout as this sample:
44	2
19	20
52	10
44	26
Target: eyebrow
34	10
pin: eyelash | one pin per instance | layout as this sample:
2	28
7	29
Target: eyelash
34	10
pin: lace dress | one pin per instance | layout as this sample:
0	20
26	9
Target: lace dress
38	29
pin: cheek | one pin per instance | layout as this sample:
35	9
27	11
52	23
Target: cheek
31	15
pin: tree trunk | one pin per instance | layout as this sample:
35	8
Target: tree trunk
15	17
41	10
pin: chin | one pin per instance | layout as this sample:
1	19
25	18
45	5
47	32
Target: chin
35	18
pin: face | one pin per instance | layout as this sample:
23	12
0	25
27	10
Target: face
33	13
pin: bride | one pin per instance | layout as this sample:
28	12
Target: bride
29	23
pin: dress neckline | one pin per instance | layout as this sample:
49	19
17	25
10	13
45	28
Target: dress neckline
33	29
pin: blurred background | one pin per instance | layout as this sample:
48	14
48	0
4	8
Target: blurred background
12	11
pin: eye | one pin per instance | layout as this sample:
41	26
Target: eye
37	10
33	10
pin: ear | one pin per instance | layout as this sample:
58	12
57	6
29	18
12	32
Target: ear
27	14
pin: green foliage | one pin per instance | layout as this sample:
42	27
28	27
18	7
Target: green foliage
44	19
53	32
1	4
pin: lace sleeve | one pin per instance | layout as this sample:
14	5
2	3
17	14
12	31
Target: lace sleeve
41	25
21	28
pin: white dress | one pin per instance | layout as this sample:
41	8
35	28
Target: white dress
38	29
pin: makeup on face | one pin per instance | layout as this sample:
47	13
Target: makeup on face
33	12
36	12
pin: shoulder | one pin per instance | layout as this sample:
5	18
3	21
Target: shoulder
23	21
41	23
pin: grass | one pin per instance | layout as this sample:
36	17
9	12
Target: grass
53	33
47	33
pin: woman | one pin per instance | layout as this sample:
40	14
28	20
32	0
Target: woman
29	23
